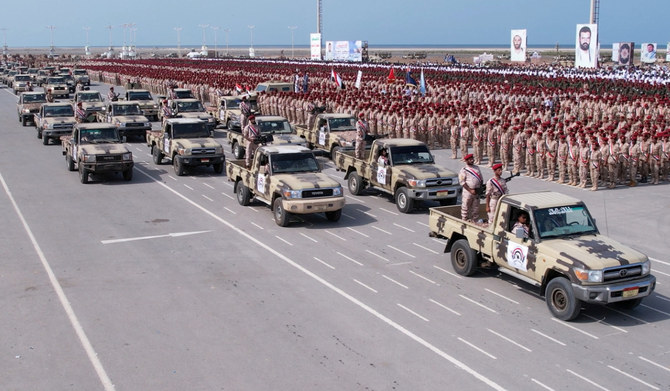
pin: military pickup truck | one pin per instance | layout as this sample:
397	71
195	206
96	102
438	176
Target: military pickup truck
58	86
192	108
28	105
288	179
330	133
96	148
562	254
410	175
127	116
81	76
278	127
187	142
54	120
20	83
147	104
227	111
91	102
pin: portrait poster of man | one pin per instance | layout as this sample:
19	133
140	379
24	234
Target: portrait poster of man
667	52
518	45
648	55
615	52
586	55
626	50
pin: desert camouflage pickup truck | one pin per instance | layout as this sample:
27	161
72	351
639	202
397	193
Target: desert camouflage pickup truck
147	104
54	120
192	108
330	133
187	143
410	175
227	111
28	105
561	252
96	148
91	102
58	86
127	116
288	179
81	76
278	127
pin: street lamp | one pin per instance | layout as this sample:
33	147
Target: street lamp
203	27
216	30
52	51
4	48
87	51
292	28
227	31
178	30
251	48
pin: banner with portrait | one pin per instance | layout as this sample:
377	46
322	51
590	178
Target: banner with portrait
648	53
625	53
315	46
667	52
518	45
344	51
586	54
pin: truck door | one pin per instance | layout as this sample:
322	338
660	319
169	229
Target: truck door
261	176
510	252
380	174
323	133
166	139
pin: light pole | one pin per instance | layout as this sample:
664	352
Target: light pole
251	48
87	29
4	48
216	31
110	51
227	31
52	51
203	27
292	28
178	30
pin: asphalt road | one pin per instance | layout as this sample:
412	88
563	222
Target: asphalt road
167	283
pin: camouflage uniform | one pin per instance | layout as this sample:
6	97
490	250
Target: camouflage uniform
361	132
471	177
496	187
595	166
250	132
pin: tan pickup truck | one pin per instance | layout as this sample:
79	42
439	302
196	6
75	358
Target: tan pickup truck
560	252
227	110
147	103
28	105
58	86
278	127
330	133
187	143
54	120
192	108
410	175
288	178
96	148
91	102
127	116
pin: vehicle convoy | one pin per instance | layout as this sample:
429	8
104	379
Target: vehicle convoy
274	85
147	104
91	102
330	133
288	179
20	83
81	76
96	148
28	105
187	143
54	120
228	111
410	175
278	127
562	254
192	108
58	86
127	116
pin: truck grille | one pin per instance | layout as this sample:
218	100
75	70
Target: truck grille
622	273
60	88
62	126
317	193
108	158
203	151
439	182
134	124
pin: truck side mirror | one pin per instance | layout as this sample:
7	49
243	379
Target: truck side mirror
519	233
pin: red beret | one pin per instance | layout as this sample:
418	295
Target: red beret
496	166
468	156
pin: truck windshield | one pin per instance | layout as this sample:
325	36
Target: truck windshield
341	124
80	71
274	127
127	110
59	111
145	95
232	104
194	130
184	94
89	97
413	154
293	163
190	107
34	98
55	80
99	136
564	221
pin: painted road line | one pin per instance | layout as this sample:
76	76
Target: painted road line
422	277
477	348
501	296
230	210
358	232
400	251
546	387
395	282
425	248
548	337
365	286
207	198
208	185
326	264
187	186
447	271
574	328
633	377
256	225
413	313
170	235
348	216
654	363
403	227
349	258
445	307
377	255
587	380
478	303
337	236
228	196
284	240
510	341
389	212
381	230
370	214
309	237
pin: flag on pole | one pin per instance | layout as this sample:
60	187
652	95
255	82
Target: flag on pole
238	88
336	78
391	78
422	84
358	79
409	79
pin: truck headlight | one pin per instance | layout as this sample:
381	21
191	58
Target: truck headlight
588	275
417	182
337	191
347	143
89	158
147	124
25	111
292	193
218	150
182	150
127	156
646	267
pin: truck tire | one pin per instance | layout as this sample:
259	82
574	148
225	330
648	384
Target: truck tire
334	215
83	174
333	152
157	155
228	124
39	133
70	162
402	200
45	140
178	166
128	174
463	258
238	151
243	194
218	168
280	214
561	300
355	183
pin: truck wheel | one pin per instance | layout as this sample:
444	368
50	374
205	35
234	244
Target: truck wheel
83	174
157	154
218	168
333	151
238	151
128	174
463	258
243	194
45	140
334	215
178	166
355	183
23	123
228	126
39	133
281	215
449	201
561	300
70	162
402	200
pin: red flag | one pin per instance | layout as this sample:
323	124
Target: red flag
336	78
238	87
391	78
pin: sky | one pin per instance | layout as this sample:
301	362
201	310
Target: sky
388	22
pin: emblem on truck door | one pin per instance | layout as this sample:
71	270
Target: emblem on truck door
517	256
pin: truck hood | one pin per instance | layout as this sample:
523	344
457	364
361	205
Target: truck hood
131	118
424	171
591	252
197	143
103	149
31	106
312	180
92	105
204	116
287	139
61	120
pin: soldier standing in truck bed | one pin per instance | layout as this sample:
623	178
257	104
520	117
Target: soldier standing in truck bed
470	178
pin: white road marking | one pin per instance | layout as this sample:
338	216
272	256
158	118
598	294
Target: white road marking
659	272
370	214
628	314
187	186
348	216
541	385
414	337
395	282
377	255
309	237
659	261
445	307
65	303
587	380
226	195
358	232
349	258
413	313
171	177
574	328
403	227
357	199
365	286
256	225
477	348
478	303
207	197
337	236
170	235
605	323
381	230
422	277
229	184
284	240
390	212
633	377
425	248
548	337
230	210
447	271
327	265
208	185
138	149
400	251
501	296
654	309
424	224
510	341
654	363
